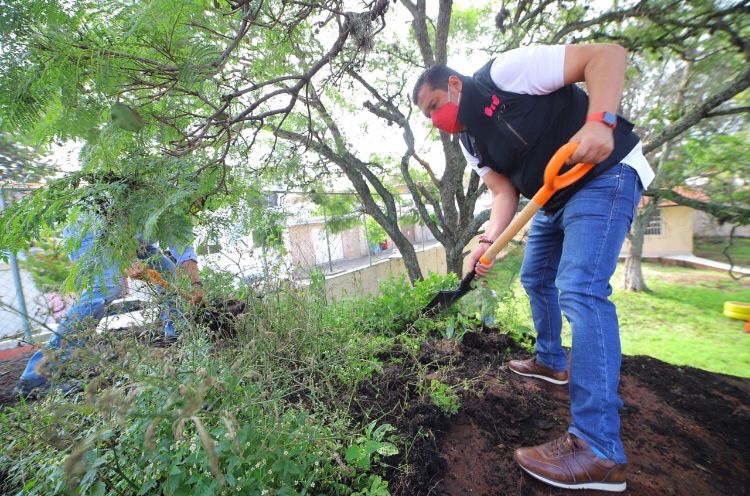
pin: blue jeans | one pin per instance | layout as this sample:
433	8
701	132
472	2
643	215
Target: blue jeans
570	257
157	261
105	287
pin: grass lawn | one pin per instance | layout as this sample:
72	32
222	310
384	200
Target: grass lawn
713	248
679	322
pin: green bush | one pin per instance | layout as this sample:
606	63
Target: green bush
268	412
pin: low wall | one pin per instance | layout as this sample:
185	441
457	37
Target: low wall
366	280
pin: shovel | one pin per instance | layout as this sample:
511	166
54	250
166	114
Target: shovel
552	183
219	315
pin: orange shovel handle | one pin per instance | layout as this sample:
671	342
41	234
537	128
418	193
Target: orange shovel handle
155	277
552	183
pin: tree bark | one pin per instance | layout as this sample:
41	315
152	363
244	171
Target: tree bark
633	275
633	279
454	260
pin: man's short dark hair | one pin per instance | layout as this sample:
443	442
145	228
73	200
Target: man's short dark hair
436	76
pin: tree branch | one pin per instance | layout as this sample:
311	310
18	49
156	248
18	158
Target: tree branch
732	214
698	112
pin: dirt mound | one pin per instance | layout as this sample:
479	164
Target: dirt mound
686	431
12	363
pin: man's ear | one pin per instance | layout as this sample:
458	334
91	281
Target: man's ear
455	83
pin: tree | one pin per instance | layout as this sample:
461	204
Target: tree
445	202
168	96
685	59
21	163
181	105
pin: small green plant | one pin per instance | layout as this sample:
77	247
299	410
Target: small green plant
376	486
444	397
456	326
367	447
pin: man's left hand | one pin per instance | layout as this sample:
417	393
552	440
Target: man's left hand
595	143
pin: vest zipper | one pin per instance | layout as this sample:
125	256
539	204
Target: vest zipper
514	132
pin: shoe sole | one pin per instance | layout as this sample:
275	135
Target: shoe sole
615	487
542	377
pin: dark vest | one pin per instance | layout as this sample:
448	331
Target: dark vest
516	134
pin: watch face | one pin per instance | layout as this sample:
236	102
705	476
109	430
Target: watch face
609	118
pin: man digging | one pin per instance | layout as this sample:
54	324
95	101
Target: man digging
512	115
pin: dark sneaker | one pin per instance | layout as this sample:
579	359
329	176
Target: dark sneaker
568	462
34	390
532	368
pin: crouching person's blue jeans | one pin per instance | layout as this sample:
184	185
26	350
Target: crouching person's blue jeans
570	257
157	261
105	287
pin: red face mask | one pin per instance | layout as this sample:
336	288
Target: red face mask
445	118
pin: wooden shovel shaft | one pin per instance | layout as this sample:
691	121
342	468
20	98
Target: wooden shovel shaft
154	277
552	183
510	232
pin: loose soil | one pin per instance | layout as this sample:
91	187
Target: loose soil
686	431
12	363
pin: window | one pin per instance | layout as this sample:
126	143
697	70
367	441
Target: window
655	225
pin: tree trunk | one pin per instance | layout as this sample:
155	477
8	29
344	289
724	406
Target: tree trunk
454	259
408	253
633	278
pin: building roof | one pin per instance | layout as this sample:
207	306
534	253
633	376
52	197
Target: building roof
687	193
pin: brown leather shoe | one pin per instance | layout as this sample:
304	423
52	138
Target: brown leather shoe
568	462
532	368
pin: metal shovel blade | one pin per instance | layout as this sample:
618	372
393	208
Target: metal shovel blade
444	299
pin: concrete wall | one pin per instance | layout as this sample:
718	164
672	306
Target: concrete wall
352	243
707	225
676	237
366	280
300	245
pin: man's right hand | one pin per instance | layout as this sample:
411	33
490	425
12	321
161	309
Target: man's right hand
137	270
480	269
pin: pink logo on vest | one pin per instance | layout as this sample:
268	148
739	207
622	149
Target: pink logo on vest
489	111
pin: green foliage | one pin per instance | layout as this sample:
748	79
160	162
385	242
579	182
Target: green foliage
125	118
375	233
718	164
375	486
444	397
368	446
48	264
133	82
214	421
341	211
454	326
466	23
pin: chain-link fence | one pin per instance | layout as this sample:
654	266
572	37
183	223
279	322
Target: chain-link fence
334	242
315	239
25	311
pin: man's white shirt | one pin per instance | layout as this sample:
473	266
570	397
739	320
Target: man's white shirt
539	70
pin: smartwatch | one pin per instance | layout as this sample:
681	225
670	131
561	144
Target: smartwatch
607	118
